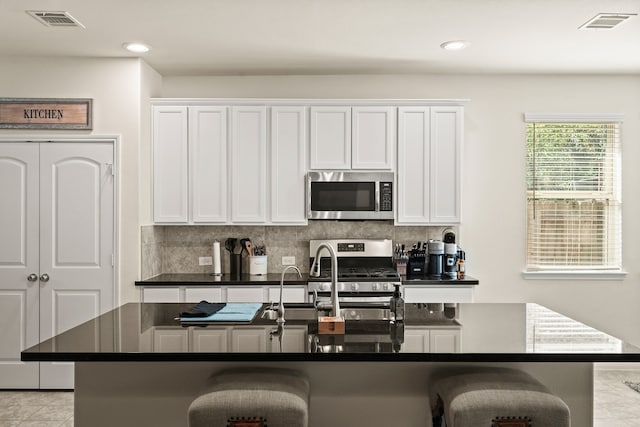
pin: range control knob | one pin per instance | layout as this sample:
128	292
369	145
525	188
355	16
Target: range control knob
355	286
375	286
325	286
385	286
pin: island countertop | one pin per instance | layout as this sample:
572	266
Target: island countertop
500	332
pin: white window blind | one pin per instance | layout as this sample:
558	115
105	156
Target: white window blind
573	193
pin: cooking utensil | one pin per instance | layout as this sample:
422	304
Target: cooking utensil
230	245
246	246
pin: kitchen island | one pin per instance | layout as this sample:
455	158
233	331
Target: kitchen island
137	365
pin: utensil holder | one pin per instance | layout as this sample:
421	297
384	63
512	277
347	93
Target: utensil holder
235	265
258	265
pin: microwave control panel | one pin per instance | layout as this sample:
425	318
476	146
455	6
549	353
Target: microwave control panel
386	196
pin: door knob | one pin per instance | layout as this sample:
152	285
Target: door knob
32	277
44	277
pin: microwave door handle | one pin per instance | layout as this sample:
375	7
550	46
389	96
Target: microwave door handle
377	201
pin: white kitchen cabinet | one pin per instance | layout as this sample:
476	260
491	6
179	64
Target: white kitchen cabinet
210	339
201	293
170	165
292	340
170	340
161	294
373	138
248	164
208	164
248	339
335	144
429	165
288	165
444	340
291	293
437	293
330	138
245	294
418	339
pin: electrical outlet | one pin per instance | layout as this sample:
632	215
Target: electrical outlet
288	260
205	260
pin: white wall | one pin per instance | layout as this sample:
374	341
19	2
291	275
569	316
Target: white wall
115	87
493	230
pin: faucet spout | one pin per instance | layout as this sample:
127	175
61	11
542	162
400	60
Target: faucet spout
335	301
280	319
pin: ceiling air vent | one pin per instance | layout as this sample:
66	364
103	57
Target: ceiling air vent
55	19
606	21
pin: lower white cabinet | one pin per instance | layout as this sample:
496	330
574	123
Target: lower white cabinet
418	339
435	293
170	340
210	339
233	293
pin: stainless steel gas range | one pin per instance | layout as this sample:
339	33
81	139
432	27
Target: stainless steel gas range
365	272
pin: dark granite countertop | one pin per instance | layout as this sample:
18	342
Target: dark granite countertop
427	280
206	279
504	332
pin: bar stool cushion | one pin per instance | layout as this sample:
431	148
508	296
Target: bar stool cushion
264	397
494	397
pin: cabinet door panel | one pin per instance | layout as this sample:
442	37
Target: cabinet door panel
289	294
248	164
203	294
416	340
444	341
245	294
170	164
413	165
161	295
208	164
373	138
288	165
210	339
248	340
330	140
170	340
445	164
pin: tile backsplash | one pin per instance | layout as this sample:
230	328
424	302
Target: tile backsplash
176	249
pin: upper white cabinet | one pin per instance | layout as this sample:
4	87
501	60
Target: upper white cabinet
170	164
248	164
352	138
429	165
208	164
288	164
373	141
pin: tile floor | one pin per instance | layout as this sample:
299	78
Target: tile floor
36	409
616	405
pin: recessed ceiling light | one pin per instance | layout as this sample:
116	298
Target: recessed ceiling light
454	45
136	47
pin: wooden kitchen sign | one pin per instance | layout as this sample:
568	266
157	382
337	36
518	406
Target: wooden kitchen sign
45	113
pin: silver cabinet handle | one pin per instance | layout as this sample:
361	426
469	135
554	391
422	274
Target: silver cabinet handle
32	277
44	277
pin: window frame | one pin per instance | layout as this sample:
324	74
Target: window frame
569	272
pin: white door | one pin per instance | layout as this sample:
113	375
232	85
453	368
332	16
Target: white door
19	248
76	242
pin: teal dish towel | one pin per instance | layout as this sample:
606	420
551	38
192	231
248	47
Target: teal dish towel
232	312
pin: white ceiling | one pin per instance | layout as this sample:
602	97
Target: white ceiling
208	37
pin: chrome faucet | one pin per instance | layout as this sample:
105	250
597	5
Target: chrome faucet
280	319
334	275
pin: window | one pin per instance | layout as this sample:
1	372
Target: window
573	193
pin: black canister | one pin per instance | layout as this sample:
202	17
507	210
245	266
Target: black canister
235	265
436	252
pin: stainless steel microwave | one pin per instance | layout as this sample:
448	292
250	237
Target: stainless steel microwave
350	195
